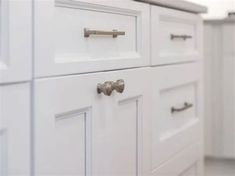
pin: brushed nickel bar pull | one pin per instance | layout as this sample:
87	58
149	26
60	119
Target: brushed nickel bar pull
184	37
186	106
114	33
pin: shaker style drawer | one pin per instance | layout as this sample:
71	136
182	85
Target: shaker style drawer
87	36
176	112
185	163
91	124
176	36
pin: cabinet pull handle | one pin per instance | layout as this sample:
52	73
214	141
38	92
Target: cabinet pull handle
114	33
184	37
186	106
108	87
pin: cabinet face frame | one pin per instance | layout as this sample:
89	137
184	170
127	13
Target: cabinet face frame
15	40
46	61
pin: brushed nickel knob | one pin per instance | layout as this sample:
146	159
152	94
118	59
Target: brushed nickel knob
105	88
108	87
119	86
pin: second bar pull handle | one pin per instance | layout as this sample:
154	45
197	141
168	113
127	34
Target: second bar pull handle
184	37
184	108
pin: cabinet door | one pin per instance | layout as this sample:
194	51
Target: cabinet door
177	110
15	40
80	132
63	45
15	130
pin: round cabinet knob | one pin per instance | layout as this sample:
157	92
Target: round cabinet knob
106	88
119	86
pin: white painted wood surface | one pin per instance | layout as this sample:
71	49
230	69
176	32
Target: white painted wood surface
185	163
166	22
173	132
15	130
79	132
219	83
15	40
75	131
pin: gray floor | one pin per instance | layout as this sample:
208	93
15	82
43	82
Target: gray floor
215	167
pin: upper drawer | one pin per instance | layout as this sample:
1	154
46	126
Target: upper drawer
176	36
86	36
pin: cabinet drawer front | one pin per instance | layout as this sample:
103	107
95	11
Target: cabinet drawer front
176	36
81	132
85	36
176	115
177	108
186	163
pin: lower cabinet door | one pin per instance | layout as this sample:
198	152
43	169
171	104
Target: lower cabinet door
177	110
185	163
80	132
15	130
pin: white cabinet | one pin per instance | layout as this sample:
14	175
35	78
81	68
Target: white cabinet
80	132
177	111
15	130
88	36
154	127
185	163
219	88
176	36
15	40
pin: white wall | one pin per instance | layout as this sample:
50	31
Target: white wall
216	8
